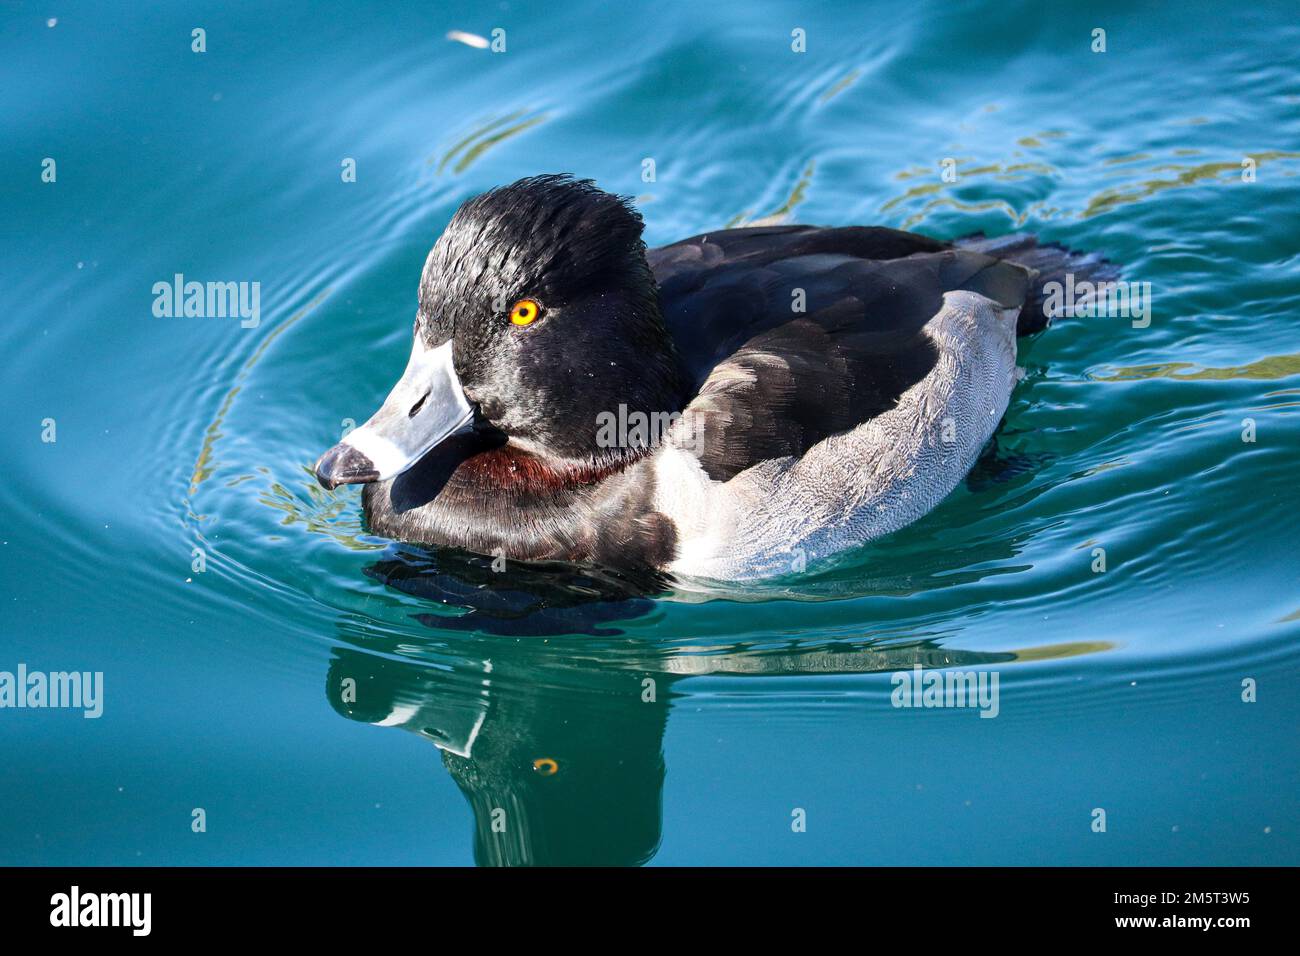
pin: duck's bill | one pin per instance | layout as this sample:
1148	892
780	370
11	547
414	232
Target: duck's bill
425	407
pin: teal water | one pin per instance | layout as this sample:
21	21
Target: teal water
225	689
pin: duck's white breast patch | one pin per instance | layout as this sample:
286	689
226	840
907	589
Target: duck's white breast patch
686	495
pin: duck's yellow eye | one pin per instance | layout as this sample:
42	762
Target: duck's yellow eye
525	312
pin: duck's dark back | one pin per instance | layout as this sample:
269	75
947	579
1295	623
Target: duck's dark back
823	327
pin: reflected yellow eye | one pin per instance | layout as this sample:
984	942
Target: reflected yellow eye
525	312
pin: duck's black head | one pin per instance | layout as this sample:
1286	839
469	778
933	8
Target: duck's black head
538	313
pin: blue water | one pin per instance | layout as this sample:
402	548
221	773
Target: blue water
1120	690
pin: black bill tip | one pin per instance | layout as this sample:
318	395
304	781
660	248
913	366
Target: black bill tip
344	465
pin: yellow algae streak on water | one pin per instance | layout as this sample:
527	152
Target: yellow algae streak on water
1265	369
782	212
483	137
204	465
1186	175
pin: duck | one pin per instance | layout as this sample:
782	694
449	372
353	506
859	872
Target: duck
730	407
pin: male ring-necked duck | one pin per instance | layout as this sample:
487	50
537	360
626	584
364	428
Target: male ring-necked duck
817	387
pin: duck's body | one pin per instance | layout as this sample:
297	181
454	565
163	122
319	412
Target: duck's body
826	386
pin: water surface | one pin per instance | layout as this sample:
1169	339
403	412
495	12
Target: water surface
528	692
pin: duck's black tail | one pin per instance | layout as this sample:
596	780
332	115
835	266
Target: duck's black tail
1050	261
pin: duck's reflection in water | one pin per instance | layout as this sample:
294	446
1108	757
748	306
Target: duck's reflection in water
559	769
558	744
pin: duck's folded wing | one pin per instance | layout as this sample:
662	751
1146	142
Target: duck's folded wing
860	344
789	388
721	289
752	489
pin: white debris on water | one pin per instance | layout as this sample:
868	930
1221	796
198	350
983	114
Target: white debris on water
469	39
